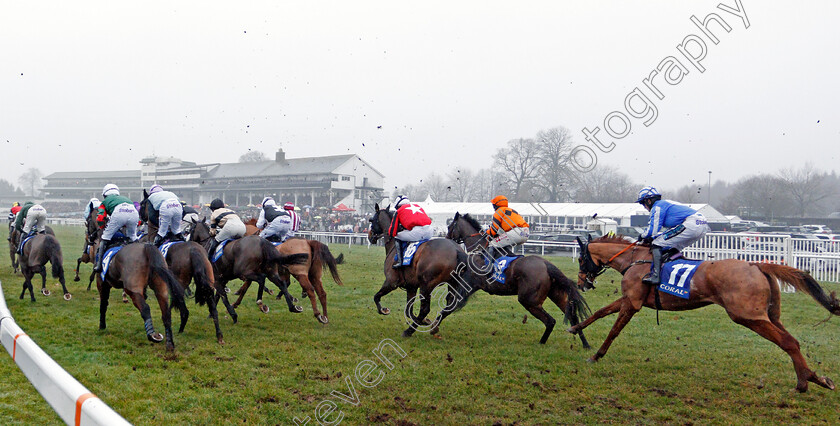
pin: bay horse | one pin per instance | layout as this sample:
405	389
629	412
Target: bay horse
14	242
248	258
747	291
39	250
89	256
308	274
188	262
530	278
136	267
435	262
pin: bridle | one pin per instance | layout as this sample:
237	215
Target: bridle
462	239
593	270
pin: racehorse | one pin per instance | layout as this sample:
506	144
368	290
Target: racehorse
748	291
91	234
435	262
14	242
531	278
248	258
134	268
308	274
39	250
188	262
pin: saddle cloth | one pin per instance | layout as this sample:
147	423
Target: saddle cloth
675	277
410	249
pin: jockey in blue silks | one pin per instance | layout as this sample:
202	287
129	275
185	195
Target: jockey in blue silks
673	226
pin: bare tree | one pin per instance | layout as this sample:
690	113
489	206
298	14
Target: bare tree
760	195
605	184
462	182
413	192
7	189
689	194
808	187
519	163
436	187
252	157
554	146
31	182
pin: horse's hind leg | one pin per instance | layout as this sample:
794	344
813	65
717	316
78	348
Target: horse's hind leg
284	287
104	294
27	282
162	294
537	311
560	299
788	343
78	265
309	290
43	272
222	294
146	314
241	292
425	308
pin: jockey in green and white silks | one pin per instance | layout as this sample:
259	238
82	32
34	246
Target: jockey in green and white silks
120	213
672	226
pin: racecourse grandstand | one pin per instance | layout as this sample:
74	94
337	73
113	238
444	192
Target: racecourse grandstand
314	181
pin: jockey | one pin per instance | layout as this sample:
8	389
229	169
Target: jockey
273	221
189	217
122	213
170	213
294	219
683	224
410	223
225	224
12	215
31	219
508	228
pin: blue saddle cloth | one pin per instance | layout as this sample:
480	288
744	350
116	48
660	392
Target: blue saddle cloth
675	277
25	240
500	265
220	250
164	248
408	253
106	259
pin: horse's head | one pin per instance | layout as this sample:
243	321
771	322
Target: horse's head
200	232
452	231
144	205
588	269
379	223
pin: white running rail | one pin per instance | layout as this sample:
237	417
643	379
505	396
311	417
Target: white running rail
74	403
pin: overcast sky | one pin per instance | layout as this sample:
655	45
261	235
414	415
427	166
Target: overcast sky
414	87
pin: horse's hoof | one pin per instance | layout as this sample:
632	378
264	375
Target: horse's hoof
77	279
221	341
323	319
235	318
227	290
407	333
384	311
235	293
826	382
572	330
264	308
155	337
427	321
170	347
45	292
270	291
437	336
68	296
592	360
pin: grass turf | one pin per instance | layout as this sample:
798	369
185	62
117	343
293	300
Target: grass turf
697	367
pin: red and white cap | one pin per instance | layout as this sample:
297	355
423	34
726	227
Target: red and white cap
289	206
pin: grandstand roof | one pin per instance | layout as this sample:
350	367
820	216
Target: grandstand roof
291	166
95	175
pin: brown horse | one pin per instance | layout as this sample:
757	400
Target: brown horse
530	278
39	250
14	242
249	258
188	262
89	254
436	262
307	274
747	291
134	268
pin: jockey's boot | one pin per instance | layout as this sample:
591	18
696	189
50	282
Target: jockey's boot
399	261
212	248
23	238
177	237
653	277
158	240
100	252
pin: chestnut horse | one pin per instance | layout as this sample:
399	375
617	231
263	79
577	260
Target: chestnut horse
748	291
135	268
530	278
39	250
307	274
248	258
435	262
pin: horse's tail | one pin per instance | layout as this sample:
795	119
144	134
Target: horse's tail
271	255
577	306
203	283
465	281
802	281
321	254
53	250
158	268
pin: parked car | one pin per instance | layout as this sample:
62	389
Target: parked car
630	231
583	233
817	229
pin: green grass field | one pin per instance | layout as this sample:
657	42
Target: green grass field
697	367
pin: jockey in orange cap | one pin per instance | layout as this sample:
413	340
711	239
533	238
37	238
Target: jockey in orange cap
508	228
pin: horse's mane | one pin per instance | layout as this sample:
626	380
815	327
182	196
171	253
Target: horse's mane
616	239
471	220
